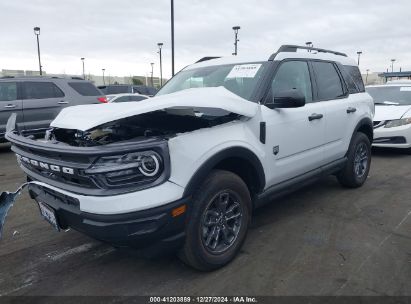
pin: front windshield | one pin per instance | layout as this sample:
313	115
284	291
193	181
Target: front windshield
391	95
241	79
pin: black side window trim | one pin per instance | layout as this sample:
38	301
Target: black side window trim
342	81
268	96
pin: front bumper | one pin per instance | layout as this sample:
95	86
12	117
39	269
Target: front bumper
397	137
155	227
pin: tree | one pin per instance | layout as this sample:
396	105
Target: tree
137	81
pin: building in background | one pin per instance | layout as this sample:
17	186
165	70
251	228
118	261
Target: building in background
96	79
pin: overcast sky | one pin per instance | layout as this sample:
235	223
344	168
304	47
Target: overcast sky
121	36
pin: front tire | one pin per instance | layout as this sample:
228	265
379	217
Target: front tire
218	223
355	172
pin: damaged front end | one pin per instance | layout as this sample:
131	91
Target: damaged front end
120	156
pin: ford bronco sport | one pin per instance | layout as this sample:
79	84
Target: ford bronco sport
186	168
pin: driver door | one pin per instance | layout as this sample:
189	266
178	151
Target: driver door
294	136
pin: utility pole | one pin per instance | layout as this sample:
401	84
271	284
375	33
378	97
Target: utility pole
172	37
236	28
359	55
152	70
84	74
37	33
366	77
160	45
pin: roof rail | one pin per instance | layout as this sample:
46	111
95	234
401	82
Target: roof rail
207	58
5	77
294	48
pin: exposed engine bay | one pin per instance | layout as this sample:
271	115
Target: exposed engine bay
164	124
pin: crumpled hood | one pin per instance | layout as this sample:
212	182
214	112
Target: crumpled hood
383	112
85	117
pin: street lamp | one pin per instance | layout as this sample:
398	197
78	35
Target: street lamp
359	55
37	33
104	81
152	67
392	65
160	45
84	74
309	44
366	77
235	28
172	37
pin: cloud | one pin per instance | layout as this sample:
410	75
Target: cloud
121	36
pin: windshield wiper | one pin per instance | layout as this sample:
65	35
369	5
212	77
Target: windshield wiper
388	103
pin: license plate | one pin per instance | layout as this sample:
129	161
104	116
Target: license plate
49	215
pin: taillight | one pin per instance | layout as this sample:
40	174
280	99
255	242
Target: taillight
102	99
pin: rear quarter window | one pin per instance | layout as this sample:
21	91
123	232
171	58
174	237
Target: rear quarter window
85	88
353	78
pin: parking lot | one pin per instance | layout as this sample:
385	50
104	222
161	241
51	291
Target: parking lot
321	240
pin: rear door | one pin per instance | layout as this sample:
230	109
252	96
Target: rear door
340	118
42	101
10	102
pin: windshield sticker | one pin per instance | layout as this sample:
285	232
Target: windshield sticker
405	89
244	71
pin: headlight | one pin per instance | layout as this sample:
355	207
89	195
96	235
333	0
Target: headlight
131	168
398	122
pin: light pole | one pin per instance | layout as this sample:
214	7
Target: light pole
366	77
37	33
152	68
309	44
160	45
84	74
392	65
359	55
104	81
172	37
235	28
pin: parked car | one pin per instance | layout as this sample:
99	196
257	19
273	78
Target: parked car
185	169
38	100
126	97
392	120
126	88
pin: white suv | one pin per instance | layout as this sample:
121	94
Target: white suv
186	168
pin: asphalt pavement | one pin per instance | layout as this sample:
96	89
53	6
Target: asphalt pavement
321	240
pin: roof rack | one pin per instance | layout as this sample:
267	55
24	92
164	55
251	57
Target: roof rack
294	48
207	58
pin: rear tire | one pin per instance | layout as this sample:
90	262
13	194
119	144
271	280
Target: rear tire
355	172
218	223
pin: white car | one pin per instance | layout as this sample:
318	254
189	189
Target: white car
185	169
392	120
126	97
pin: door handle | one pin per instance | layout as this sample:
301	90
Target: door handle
315	116
351	110
10	106
63	102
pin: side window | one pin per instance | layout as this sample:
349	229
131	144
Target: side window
122	99
8	91
328	81
41	90
355	75
293	75
137	98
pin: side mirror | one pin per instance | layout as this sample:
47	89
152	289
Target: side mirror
287	99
